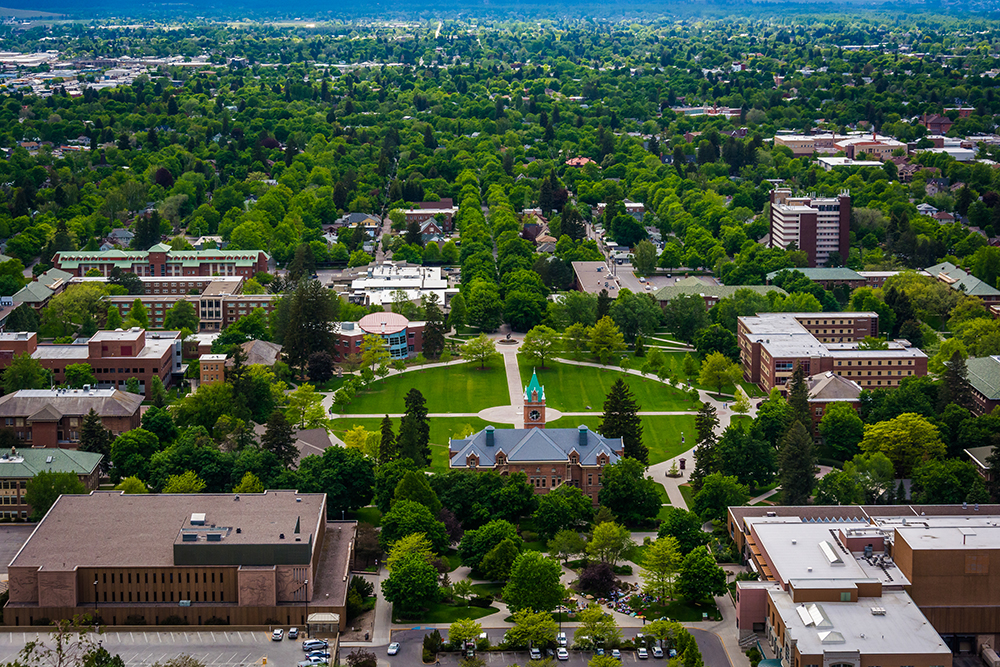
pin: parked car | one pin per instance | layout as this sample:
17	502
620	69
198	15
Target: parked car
642	654
312	660
314	645
277	635
616	654
319	654
561	638
293	633
535	654
657	652
393	648
562	653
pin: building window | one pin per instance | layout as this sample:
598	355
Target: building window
845	596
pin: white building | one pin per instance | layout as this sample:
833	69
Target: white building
381	281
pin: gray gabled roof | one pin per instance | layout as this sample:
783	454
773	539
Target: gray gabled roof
984	376
820	273
692	285
960	280
30	461
53	404
530	445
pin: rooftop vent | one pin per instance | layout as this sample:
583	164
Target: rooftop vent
878	611
189	537
48	459
582	435
489	436
215	537
197	518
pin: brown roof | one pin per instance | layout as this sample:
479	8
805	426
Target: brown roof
261	352
51	404
829	386
334	562
112	529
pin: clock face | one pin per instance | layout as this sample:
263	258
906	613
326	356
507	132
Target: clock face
534	415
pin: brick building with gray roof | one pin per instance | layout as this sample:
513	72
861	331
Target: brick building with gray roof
53	417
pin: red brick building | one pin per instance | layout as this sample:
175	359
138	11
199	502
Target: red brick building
115	356
53	417
161	261
19	466
404	339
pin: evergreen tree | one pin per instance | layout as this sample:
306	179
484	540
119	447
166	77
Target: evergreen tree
415	430
705	463
458	314
22	318
387	450
311	309
797	465
279	439
434	327
798	396
97	439
955	387
603	304
621	420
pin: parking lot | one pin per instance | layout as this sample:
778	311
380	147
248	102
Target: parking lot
218	648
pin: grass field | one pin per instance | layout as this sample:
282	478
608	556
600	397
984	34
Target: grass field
442	429
660	433
458	388
688	494
447	613
572	388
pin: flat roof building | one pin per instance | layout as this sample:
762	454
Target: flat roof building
162	260
244	559
820	226
403	339
773	344
378	284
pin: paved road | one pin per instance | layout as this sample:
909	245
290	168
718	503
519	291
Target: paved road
411	643
218	648
12	538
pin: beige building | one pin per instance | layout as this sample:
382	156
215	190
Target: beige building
212	368
245	559
820	226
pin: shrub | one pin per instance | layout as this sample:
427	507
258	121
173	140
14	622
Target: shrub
178	620
215	620
427	656
432	642
755	657
481	601
135	619
364	587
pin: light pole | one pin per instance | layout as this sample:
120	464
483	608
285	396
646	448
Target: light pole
305	585
95	599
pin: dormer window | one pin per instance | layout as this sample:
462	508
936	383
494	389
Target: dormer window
501	459
574	459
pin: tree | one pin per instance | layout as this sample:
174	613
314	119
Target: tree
463	630
644	257
320	366
955	387
434	326
598	626
717	339
414	487
138	316
131	453
458	314
597	578
45	488
181	315
374	351
532	628
188	482
484	306
414	430
699	577
566	543
279	439
387	449
659	564
114	319
563	507
24	372
628	492
132	485
249	483
906	440
411	585
387	478
345	475
540	343
606	340
743	455
78	375
706	460
797	465
534	583
621	420
480	541
481	348
717	494
943	482
406	518
684	527
361	658
798	396
498	562
718	371
305	321
741	404
841	429
609	542
95	438
305	407
414	543
685	315
689	367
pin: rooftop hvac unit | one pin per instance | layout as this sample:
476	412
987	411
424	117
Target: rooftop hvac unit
197	518
215	537
185	603
878	611
189	537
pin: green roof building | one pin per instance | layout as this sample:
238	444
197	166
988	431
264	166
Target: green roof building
19	466
161	261
712	294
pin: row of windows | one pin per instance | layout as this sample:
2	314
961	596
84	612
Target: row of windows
163	598
7	484
163	577
879	362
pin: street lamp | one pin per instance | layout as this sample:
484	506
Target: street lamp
305	585
95	599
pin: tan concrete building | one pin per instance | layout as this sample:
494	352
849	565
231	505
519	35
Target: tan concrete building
246	559
212	368
819	226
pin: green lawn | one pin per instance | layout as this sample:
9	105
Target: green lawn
636	553
459	388
688	494
677	611
453	559
660	433
447	613
442	429
572	388
494	590
367	515
537	545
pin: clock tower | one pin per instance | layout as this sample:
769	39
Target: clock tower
534	404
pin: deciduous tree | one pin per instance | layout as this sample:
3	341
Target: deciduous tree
534	583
